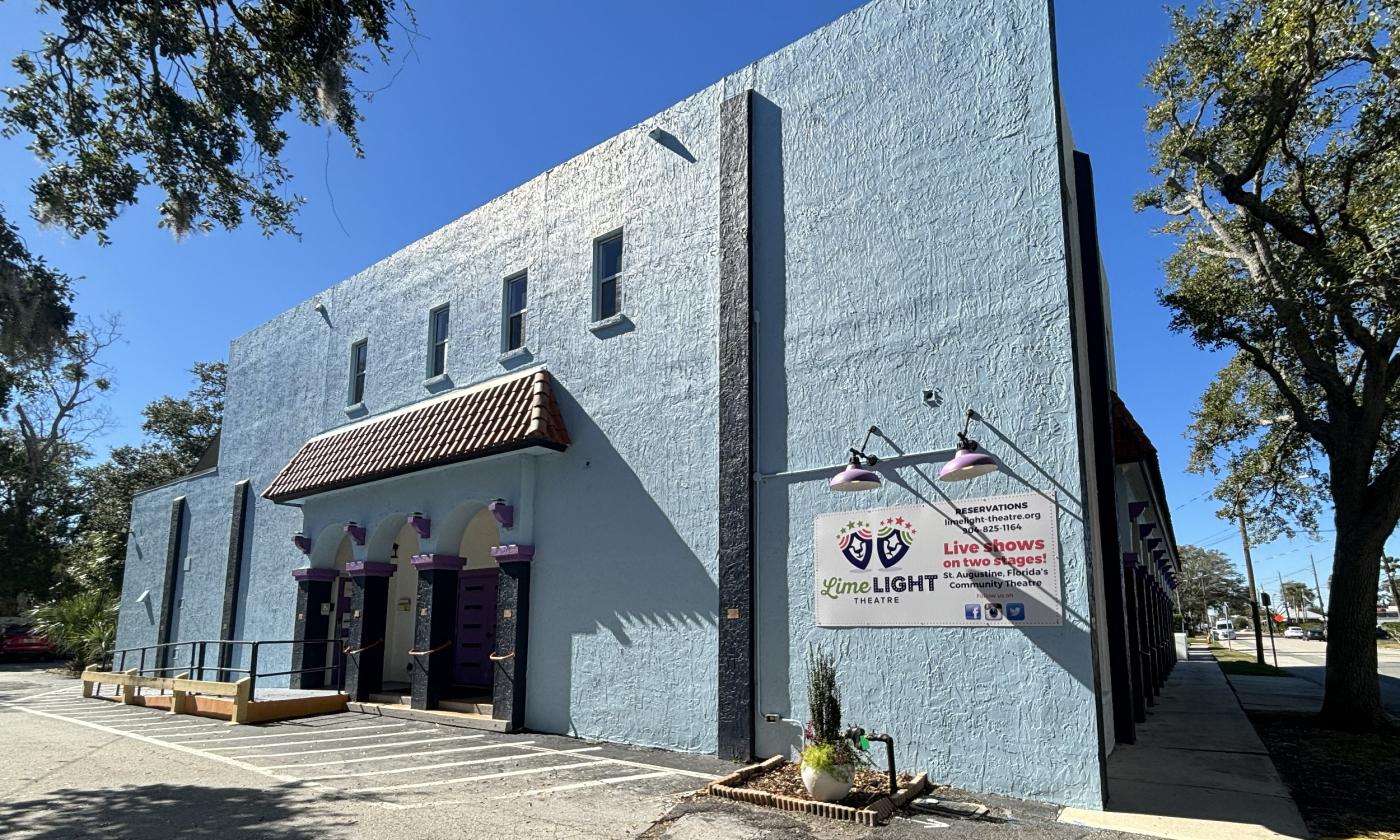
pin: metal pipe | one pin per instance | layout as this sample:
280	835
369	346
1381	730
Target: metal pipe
885	463
856	733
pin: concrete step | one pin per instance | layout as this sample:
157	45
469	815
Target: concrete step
438	716
391	698
465	707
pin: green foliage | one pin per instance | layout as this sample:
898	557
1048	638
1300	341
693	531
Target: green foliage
1393	628
836	757
1276	137
35	311
187	98
1298	596
823	698
179	430
1209	580
82	627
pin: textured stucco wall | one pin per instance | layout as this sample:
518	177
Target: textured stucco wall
909	234
925	248
204	545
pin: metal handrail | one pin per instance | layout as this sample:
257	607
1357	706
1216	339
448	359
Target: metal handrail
444	646
358	651
494	658
198	658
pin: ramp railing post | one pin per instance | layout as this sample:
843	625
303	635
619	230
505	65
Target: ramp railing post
253	671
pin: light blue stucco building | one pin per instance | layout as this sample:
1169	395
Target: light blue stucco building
563	457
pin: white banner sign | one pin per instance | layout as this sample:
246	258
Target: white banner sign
992	562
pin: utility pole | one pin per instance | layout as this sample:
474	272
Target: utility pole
1321	604
1282	596
1253	591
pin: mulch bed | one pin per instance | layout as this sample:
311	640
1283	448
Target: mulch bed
1344	783
786	780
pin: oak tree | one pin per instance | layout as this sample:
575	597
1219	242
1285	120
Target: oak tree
1276	136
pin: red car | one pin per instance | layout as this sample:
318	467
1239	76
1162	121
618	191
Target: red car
17	642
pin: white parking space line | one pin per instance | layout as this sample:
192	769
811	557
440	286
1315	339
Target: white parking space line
176	725
394	771
219	758
483	777
477	748
363	746
691	773
312	741
614	780
42	696
294	732
75	705
108	716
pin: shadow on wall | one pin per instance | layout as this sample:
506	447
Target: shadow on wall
1067	645
164	810
615	565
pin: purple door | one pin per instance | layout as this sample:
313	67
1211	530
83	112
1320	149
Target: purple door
476	627
344	592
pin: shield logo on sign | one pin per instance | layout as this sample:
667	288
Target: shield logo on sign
893	544
856	545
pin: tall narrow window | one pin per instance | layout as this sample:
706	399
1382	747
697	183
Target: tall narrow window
437	341
359	361
607	276
515	312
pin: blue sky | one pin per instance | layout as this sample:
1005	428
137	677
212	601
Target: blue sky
493	93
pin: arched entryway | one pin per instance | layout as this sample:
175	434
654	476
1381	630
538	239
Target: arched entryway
394	541
474	631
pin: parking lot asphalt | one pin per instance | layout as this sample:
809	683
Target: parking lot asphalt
78	768
337	769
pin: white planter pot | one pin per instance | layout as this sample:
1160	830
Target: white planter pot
830	785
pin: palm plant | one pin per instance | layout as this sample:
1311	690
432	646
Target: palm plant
82	627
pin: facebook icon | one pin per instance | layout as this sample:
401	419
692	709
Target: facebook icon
973	612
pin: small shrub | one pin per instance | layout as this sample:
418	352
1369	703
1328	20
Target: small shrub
1393	628
823	698
827	745
838	759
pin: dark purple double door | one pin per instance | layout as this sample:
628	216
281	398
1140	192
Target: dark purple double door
476	627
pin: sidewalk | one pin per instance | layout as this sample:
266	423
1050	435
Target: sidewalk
1197	771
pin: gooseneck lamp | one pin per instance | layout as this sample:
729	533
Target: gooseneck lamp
857	475
970	461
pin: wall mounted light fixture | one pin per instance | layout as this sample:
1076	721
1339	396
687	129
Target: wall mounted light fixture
503	512
970	460
422	524
356	532
302	542
857	475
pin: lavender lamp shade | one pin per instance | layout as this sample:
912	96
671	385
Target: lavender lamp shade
854	477
968	463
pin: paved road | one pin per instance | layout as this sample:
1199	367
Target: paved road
72	768
1308	660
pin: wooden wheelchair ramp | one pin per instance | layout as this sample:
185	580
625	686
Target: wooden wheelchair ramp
230	701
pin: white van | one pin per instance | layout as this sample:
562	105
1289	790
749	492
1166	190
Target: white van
1224	630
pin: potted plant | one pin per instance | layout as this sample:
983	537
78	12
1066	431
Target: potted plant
828	760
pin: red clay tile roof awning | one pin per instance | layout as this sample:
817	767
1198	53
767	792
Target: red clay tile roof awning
512	414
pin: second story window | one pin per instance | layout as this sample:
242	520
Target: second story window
515	312
607	276
437	341
359	361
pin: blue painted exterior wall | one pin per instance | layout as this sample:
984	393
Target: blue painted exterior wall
910	233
